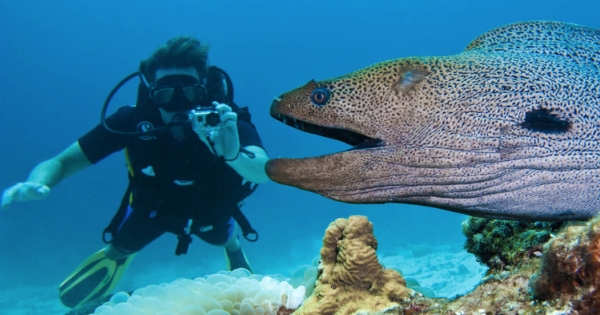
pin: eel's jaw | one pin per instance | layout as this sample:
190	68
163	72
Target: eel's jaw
317	174
304	118
355	139
324	175
289	171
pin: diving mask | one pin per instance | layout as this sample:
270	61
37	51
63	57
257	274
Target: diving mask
176	93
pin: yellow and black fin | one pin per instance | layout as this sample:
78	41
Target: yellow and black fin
93	279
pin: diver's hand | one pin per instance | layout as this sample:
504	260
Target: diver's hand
226	140
24	192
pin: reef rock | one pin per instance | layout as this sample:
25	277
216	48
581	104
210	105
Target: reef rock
502	244
350	278
563	275
570	271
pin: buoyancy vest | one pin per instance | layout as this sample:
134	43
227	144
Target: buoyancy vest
183	176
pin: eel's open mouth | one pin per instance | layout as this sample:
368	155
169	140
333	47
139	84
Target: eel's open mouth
356	140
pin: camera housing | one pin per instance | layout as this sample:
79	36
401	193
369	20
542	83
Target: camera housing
205	119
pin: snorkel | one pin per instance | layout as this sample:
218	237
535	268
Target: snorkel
143	90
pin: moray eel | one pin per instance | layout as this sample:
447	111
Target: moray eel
507	129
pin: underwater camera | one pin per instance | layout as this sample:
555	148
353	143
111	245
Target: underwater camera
205	119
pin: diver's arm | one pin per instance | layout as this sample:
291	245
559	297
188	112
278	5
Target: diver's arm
66	163
226	143
251	168
47	174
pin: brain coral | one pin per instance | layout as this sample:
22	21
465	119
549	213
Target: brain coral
350	278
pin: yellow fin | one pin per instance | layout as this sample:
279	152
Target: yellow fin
93	279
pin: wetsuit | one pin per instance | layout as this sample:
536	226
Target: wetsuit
171	182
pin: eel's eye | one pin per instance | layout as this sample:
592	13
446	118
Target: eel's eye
319	96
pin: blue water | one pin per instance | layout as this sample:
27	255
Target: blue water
59	59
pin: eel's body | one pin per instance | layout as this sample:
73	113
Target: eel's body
507	129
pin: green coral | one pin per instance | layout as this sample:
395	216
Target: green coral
498	243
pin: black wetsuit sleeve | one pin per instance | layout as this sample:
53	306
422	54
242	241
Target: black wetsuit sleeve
248	135
99	143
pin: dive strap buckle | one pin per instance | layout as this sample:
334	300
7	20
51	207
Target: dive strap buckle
184	239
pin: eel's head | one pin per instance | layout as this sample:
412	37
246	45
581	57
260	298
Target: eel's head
317	108
444	133
352	109
506	129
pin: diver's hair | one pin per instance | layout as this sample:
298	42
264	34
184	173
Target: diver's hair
178	52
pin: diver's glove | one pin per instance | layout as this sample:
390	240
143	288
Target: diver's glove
24	192
225	141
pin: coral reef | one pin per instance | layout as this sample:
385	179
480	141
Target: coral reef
305	276
236	292
560	277
502	293
502	243
565	273
570	271
350	278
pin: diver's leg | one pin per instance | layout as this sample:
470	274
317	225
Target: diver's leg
236	258
224	233
233	244
97	276
113	253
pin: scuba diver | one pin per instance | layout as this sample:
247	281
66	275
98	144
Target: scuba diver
193	156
